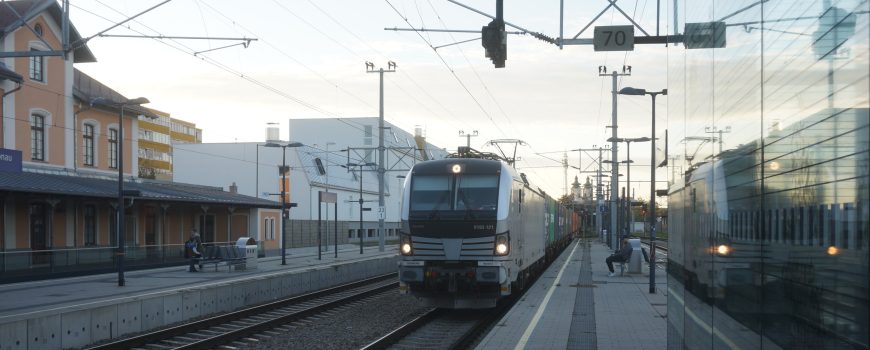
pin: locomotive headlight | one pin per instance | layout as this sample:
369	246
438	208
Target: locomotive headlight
502	245
723	249
405	245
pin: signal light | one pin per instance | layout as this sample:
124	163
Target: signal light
494	40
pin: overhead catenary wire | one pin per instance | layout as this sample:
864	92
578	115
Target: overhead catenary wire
220	65
449	68
346	48
474	70
403	72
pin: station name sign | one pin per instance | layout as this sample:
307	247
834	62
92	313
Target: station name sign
10	160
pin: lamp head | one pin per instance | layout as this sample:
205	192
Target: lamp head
631	91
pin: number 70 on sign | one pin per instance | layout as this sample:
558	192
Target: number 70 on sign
613	38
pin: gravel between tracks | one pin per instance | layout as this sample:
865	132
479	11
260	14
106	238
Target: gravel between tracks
348	328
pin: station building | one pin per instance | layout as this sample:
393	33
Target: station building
319	163
59	165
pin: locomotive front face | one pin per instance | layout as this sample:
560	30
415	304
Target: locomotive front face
452	236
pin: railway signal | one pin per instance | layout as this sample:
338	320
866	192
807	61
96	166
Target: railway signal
494	37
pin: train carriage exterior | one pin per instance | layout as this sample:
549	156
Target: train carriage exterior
474	231
764	250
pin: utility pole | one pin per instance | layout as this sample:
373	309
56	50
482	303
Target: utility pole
716	130
565	166
391	68
614	171
467	136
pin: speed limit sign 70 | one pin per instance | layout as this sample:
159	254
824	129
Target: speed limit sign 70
614	38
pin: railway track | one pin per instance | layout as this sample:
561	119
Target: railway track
263	321
442	329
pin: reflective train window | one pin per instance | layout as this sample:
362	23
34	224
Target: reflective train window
476	192
431	192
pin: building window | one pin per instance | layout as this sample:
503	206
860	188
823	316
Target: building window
269	229
37	67
113	148
37	137
38	29
88	143
90	216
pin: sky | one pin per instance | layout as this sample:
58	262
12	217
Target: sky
309	62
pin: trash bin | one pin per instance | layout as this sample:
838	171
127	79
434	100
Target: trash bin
636	260
247	247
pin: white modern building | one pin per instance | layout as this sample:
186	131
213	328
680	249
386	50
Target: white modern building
319	164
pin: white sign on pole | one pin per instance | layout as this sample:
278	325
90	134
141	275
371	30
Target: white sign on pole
382	213
613	38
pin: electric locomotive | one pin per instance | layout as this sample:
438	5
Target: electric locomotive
474	231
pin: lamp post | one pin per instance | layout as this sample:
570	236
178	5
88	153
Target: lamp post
652	182
120	220
326	171
284	216
360	165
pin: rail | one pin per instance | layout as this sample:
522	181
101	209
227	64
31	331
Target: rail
243	323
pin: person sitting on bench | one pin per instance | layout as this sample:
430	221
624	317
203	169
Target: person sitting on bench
621	256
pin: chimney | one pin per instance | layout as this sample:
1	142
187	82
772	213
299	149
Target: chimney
272	133
420	140
234	188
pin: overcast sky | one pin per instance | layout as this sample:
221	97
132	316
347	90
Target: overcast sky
309	59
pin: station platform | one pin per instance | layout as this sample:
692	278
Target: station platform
77	311
575	305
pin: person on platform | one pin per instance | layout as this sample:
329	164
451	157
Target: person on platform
622	255
192	249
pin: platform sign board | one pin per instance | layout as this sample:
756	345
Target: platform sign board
705	35
382	213
327	197
613	38
10	160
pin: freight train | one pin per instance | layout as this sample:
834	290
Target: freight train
774	233
474	231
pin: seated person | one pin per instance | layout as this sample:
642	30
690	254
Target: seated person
622	255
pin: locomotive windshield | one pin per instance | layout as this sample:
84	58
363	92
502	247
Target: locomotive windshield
454	193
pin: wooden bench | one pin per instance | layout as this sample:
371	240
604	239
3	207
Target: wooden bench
215	255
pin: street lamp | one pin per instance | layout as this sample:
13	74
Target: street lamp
326	171
284	216
652	182
120	221
360	165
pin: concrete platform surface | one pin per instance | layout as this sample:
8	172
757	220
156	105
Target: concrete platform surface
78	311
575	305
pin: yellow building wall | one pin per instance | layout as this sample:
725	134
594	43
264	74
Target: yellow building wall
47	97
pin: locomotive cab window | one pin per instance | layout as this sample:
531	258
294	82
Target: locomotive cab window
476	192
460	193
431	193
